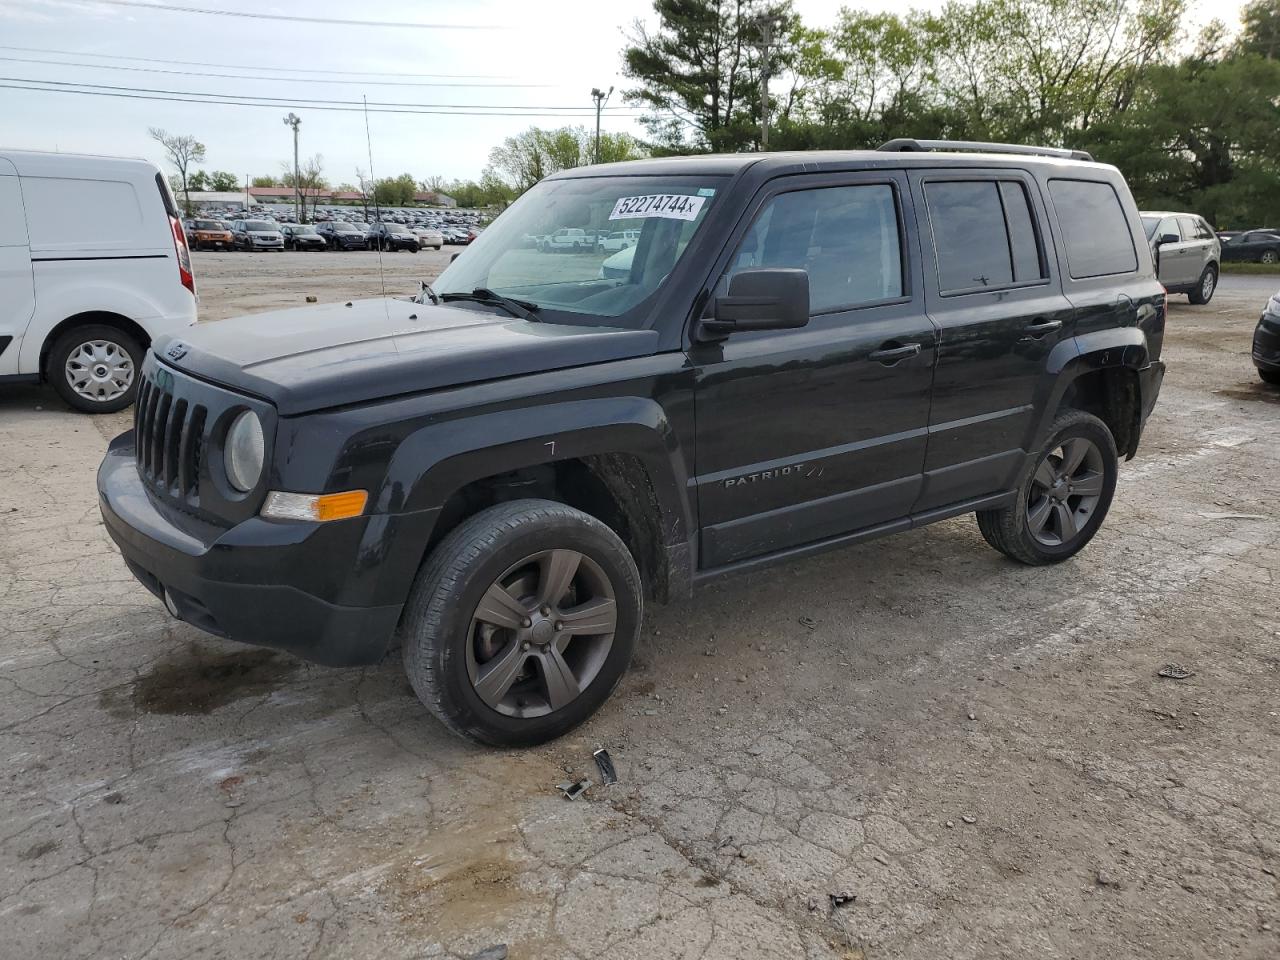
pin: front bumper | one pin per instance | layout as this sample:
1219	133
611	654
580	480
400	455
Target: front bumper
1266	348
256	582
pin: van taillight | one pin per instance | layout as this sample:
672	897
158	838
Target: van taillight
184	255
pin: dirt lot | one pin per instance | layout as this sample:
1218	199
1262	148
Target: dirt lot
982	753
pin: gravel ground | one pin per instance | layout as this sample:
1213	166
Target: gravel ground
982	753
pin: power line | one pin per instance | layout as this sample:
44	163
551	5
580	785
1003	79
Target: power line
290	100
266	67
238	76
168	8
212	100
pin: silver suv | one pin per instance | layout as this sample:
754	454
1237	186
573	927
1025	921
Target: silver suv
1186	252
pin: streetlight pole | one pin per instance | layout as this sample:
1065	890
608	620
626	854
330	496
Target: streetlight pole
293	120
601	98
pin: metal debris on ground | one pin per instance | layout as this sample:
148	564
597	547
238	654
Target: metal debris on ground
573	790
1174	671
604	763
497	952
808	622
841	899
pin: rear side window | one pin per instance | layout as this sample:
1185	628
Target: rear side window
983	234
845	237
1095	229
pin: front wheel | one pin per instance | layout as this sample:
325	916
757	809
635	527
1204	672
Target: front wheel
521	622
1270	376
1208	282
94	368
1062	496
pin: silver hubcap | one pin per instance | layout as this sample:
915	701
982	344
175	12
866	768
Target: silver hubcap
1065	491
541	633
1206	288
1269	257
99	370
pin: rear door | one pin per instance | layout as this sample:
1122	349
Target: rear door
17	285
806	434
995	294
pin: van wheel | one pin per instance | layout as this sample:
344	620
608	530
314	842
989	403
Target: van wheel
95	368
1063	494
521	622
1205	286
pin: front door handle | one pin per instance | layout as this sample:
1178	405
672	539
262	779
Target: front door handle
891	355
1038	328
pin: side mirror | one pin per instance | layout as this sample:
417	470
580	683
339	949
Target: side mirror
761	299
1168	238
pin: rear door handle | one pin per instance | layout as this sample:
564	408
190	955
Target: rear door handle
1038	328
887	354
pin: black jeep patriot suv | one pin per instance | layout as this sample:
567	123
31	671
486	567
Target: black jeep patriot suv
801	351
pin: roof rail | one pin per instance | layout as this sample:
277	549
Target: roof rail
909	145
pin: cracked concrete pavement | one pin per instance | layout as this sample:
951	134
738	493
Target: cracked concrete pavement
982	753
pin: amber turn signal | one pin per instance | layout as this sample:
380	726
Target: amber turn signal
314	506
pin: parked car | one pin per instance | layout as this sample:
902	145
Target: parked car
80	305
565	240
1266	342
456	495
301	236
257	235
209	234
339	235
392	236
617	240
618	266
1187	253
1256	246
428	237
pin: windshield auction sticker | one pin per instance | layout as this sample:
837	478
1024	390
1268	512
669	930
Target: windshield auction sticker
672	206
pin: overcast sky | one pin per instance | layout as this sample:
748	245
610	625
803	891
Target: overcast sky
501	56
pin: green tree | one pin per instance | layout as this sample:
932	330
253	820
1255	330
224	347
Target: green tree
183	150
1261	29
395	191
522	160
223	181
265	181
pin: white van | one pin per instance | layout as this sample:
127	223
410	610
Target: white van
93	266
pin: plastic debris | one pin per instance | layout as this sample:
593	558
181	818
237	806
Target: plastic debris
573	790
841	899
604	763
1174	671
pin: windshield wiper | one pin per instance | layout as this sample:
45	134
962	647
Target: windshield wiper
517	308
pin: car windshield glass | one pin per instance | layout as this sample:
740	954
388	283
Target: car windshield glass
302	228
552	248
208	225
1149	225
259	225
344	228
396	228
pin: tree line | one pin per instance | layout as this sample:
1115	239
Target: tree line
1194	123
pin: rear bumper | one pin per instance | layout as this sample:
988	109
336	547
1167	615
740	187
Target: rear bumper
1150	379
254	582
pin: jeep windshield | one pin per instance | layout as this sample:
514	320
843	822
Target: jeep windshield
548	249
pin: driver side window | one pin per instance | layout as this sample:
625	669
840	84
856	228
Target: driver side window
846	238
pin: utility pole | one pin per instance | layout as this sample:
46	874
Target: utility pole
246	194
766	38
601	98
293	120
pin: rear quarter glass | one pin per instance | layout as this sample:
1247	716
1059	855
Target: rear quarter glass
1095	229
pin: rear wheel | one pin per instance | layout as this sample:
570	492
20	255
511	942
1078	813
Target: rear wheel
521	622
94	368
1063	494
1270	256
1208	283
1269	376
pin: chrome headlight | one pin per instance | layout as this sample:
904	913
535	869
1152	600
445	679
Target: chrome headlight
244	452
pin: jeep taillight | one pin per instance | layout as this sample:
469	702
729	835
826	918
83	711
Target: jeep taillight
184	254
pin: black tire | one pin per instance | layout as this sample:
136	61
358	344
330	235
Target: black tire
1205	287
1270	376
1269	256
55	370
1008	528
437	626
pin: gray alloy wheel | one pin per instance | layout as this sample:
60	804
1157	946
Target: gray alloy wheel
1064	492
521	622
541	633
1062	495
1270	256
1203	291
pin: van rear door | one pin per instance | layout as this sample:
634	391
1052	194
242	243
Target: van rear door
17	287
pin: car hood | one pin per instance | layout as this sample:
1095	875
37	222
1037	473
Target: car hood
310	358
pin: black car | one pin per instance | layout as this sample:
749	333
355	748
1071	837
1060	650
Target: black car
500	472
1255	246
340	235
392	236
301	236
1266	342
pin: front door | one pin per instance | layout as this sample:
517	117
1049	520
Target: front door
809	433
1175	260
992	289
